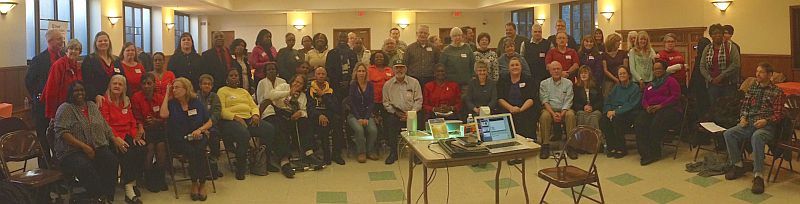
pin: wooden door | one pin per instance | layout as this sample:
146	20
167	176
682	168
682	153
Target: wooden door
363	33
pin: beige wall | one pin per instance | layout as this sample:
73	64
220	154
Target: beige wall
378	22
247	27
494	22
115	32
168	41
11	55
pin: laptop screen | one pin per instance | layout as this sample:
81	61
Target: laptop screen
495	128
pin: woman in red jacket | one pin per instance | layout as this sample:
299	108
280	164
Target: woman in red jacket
674	57
146	105
442	98
163	77
115	107
131	66
62	73
263	52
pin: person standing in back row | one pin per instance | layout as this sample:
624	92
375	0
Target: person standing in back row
561	27
217	60
421	55
288	58
263	52
458	59
185	61
340	61
534	52
511	34
35	80
394	33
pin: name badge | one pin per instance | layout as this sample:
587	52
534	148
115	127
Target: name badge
192	112
591	57
264	54
463	55
156	108
125	111
541	55
670	58
429	49
569	57
650	88
117	70
232	97
522	85
138	71
208	107
389	74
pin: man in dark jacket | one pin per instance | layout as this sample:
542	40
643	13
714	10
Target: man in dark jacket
341	60
289	58
323	108
217	60
34	81
534	52
561	26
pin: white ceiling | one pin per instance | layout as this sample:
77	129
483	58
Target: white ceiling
211	7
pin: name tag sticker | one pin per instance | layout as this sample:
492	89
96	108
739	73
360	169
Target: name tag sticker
463	55
650	88
591	57
232	97
541	54
125	111
522	85
208	107
156	108
264	54
297	57
389	74
569	57
138	71
192	112
429	49
117	70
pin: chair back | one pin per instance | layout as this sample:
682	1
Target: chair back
11	124
584	138
793	110
18	145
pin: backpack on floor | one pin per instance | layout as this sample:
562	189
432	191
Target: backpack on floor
258	161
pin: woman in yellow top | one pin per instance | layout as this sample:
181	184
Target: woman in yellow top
240	118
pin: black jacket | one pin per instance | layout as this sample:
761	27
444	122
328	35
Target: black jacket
570	42
187	65
529	91
95	76
579	100
36	77
534	54
330	102
337	58
288	60
237	66
147	61
214	67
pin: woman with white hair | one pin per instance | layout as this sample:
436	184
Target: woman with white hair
115	106
457	58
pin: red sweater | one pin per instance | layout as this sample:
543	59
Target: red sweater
672	58
134	76
435	95
166	79
567	59
62	74
143	108
120	119
378	77
259	58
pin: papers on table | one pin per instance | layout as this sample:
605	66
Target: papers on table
712	127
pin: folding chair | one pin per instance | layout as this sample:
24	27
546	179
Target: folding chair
673	136
174	156
583	138
19	146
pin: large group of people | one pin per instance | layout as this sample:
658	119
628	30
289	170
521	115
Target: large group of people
109	112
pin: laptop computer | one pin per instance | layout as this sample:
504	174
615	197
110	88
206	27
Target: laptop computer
496	132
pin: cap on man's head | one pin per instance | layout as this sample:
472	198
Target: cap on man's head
399	62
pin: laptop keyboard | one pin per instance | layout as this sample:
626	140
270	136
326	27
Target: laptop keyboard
501	145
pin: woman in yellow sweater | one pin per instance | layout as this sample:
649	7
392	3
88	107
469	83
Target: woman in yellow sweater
240	118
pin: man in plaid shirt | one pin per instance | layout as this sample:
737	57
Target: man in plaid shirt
760	115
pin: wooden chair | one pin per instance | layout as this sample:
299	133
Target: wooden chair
19	146
567	176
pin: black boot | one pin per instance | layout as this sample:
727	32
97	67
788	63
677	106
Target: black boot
241	169
161	183
151	184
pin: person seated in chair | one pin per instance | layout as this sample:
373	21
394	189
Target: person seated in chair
661	102
400	94
240	119
361	120
146	105
760	115
441	97
619	111
323	108
189	122
556	96
210	102
481	91
516	94
83	142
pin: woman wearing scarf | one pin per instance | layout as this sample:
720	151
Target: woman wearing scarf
719	65
263	52
660	101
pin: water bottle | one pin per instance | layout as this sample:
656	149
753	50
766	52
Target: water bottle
189	137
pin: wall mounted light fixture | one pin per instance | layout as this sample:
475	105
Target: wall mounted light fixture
722	5
299	26
402	25
607	15
114	20
540	21
170	26
5	7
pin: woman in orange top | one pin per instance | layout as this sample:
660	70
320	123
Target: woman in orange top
164	77
62	73
379	72
131	66
115	106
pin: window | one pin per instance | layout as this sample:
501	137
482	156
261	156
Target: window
523	18
137	26
41	13
579	16
181	26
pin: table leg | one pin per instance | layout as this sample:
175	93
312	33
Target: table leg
524	184
497	182
425	183
410	178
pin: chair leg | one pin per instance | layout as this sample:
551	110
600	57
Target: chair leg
545	193
213	185
171	168
772	166
675	155
777	171
600	189
696	152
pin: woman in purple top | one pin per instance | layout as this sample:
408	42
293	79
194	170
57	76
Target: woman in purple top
662	106
360	118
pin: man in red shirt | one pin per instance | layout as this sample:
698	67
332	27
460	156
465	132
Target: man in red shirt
441	98
567	57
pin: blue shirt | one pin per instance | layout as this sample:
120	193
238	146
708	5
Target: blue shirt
558	94
181	123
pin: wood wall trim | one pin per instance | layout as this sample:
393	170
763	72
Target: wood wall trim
781	63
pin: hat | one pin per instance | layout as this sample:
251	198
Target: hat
399	62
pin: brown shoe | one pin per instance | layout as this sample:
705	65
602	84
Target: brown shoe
758	185
373	156
362	158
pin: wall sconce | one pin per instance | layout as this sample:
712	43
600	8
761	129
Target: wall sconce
540	21
299	26
170	26
402	25
722	5
607	14
5	7
114	20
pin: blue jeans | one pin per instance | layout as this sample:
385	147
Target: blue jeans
758	139
363	144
